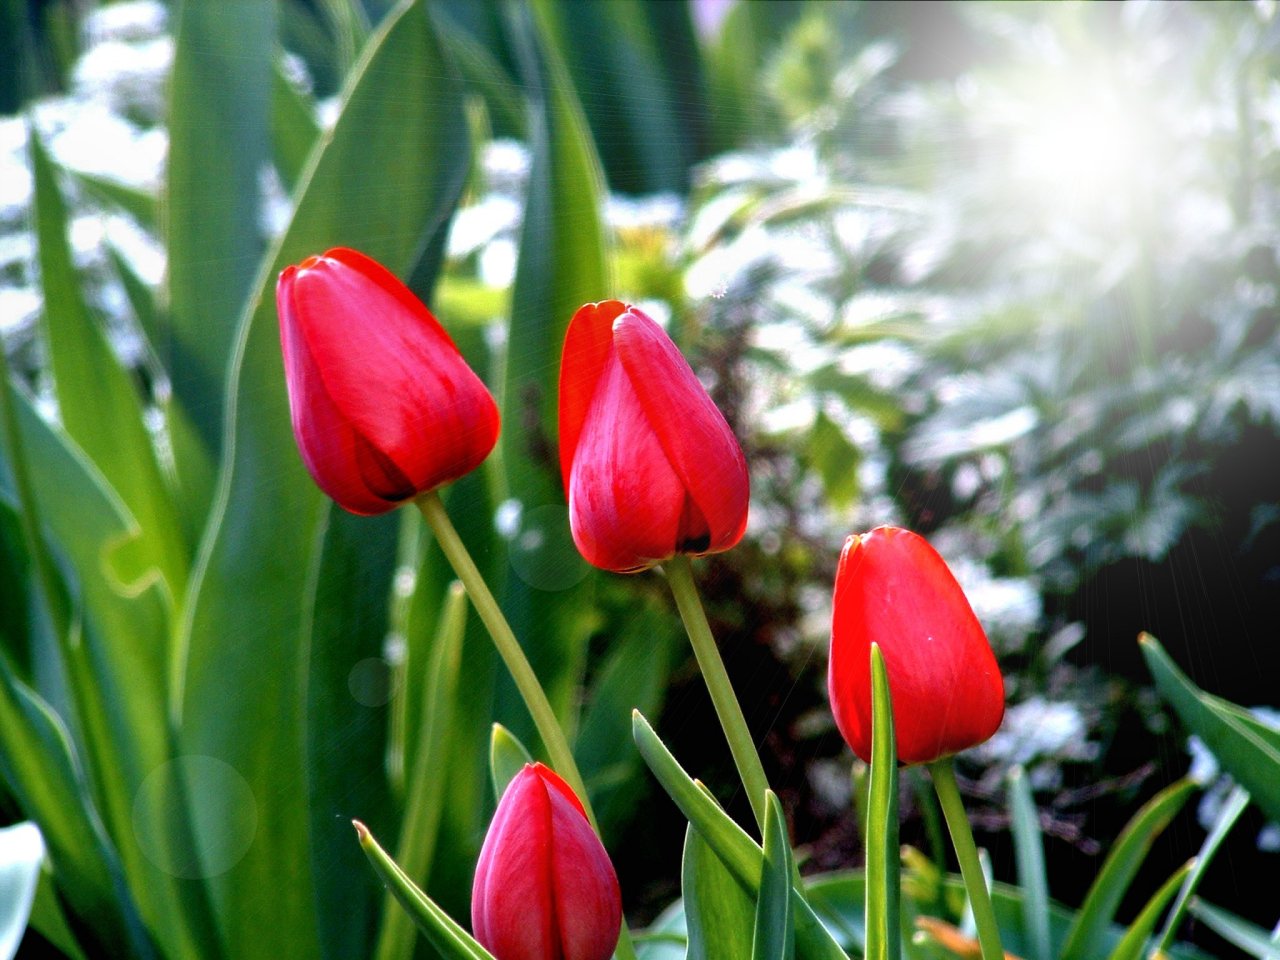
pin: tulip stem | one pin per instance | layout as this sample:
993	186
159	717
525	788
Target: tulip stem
984	916
504	639
680	576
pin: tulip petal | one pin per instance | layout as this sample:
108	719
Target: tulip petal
326	440
512	901
694	434
625	500
587	899
392	371
894	589
587	345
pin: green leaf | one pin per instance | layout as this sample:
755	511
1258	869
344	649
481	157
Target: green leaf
21	853
1087	938
449	939
139	204
345	621
1249	937
1029	852
400	136
507	757
1234	805
835	460
99	405
740	854
883	922
39	766
428	777
719	914
775	924
49	919
1250	754
113	650
219	143
294	130
1135	938
645	642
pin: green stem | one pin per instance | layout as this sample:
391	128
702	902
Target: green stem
504	639
984	916
680	577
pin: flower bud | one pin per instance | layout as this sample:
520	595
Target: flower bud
383	405
544	886
892	588
650	465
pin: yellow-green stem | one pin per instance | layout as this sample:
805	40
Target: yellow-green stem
680	577
984	915
509	649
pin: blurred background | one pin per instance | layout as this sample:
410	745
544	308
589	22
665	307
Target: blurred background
1004	273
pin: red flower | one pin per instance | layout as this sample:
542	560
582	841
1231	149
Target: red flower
544	887
383	405
650	465
893	589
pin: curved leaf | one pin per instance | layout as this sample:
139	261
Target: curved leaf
775	923
1086	939
385	180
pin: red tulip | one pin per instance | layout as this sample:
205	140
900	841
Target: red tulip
893	589
544	887
649	463
383	405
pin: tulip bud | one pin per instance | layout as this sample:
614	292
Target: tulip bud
649	463
893	589
383	405
544	886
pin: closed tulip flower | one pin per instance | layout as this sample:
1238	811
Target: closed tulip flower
544	887
383	405
649	463
892	588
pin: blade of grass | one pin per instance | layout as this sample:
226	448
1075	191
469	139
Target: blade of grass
883	925
452	942
1235	805
732	845
775	922
1029	851
1087	937
426	780
1135	938
1249	937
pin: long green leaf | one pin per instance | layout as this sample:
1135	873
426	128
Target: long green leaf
1029	852
449	939
219	143
775	933
1234	805
883	922
1087	938
1244	751
113	650
294	130
732	845
1135	938
347	691
99	406
38	764
719	914
1249	937
428	776
385	180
